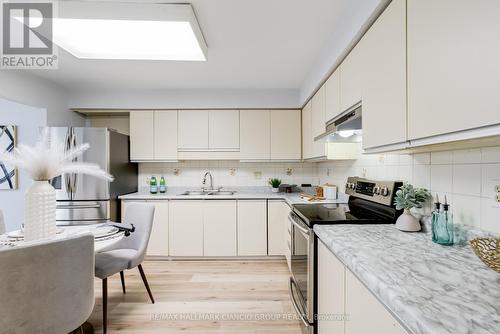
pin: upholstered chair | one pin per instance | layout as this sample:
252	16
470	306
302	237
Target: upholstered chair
47	287
126	254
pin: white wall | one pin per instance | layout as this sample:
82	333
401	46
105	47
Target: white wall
467	177
28	120
185	99
227	173
26	88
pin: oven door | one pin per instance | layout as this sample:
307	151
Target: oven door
301	282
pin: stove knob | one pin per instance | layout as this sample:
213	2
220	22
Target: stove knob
353	186
376	190
384	191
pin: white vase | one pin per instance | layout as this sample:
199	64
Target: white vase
40	211
407	222
275	190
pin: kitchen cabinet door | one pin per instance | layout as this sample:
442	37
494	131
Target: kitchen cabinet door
453	67
277	219
318	112
252	227
285	135
331	291
384	91
165	135
219	228
224	130
185	228
158	241
365	311
351	78
307	142
332	96
141	135
193	130
255	135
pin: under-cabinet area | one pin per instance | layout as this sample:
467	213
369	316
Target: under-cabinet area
211	228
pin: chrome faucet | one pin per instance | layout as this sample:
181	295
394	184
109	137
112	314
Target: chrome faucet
211	180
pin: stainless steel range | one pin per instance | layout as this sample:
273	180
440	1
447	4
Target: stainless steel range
370	202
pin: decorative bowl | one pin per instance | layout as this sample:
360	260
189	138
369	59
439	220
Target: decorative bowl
488	250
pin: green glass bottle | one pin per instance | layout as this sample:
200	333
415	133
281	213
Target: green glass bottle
153	185
163	185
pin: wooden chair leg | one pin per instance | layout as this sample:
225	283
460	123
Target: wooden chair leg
146	283
122	277
104	305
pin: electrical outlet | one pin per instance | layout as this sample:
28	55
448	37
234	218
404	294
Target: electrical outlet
497	189
328	172
498	198
232	171
257	175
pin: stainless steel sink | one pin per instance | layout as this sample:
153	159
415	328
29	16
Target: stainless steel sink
207	192
223	192
194	193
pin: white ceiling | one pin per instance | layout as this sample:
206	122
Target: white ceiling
252	44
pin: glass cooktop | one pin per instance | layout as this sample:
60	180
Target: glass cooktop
336	214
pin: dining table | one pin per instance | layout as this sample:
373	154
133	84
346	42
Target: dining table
105	235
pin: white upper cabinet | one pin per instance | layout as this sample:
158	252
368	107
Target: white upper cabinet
255	135
307	142
285	134
153	135
165	135
351	78
318	112
141	135
193	130
384	84
453	65
332	96
224	130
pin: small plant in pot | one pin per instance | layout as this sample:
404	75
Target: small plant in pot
408	197
275	184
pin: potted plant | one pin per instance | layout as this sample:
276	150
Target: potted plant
408	197
275	184
43	162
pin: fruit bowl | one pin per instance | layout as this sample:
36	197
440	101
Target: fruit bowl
488	250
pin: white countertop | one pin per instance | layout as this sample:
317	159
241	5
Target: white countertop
241	193
429	288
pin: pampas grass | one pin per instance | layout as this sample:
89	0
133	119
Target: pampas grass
45	160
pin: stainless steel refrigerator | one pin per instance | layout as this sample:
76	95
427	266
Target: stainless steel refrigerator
83	199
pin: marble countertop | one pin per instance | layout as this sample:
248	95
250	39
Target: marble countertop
241	193
429	288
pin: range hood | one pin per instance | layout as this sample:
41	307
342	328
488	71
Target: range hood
345	128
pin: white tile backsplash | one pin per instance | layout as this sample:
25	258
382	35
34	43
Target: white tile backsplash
228	173
467	177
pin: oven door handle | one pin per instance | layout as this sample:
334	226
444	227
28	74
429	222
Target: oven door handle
296	306
302	229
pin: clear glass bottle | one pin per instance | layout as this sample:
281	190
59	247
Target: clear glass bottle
442	225
163	185
153	185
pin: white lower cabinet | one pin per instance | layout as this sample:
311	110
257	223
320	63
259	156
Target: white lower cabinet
341	293
158	241
331	296
365	311
186	228
252	227
219	228
277	213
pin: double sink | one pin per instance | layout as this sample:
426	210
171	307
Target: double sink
203	192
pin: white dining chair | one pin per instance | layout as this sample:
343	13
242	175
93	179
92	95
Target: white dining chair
47	287
126	254
2	223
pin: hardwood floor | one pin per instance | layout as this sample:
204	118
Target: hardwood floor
198	297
